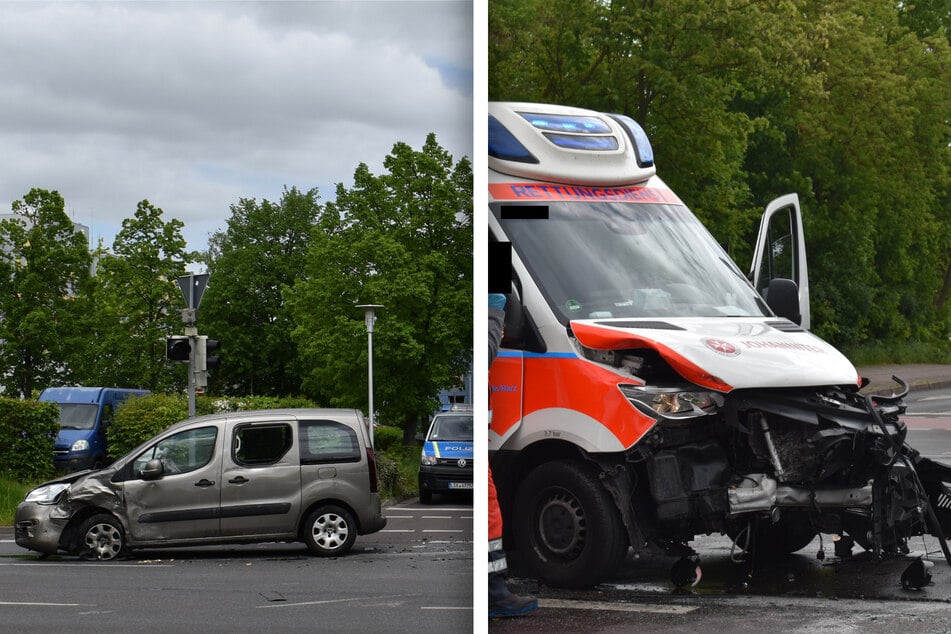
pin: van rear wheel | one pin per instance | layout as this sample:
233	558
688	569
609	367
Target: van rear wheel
101	538
566	526
330	530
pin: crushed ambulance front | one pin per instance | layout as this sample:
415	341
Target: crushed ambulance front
646	392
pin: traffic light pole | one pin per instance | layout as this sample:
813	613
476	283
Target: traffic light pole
193	287
192	333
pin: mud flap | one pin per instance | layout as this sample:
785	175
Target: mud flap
935	477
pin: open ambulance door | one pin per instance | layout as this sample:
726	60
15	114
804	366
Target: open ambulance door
781	255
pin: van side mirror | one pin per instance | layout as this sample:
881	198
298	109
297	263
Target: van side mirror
153	470
782	297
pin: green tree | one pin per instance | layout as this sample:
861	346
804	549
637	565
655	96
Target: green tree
845	103
44	265
402	239
263	251
135	304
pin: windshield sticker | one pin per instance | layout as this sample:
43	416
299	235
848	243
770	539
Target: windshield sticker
722	347
549	191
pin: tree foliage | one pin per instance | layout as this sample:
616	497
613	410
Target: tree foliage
402	239
44	266
845	103
135	304
262	251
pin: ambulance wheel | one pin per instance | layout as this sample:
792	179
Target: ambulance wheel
567	529
791	533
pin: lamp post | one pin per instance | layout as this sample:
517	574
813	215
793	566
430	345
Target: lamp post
369	312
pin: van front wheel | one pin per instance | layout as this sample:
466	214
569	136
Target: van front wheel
329	531
101	538
566	526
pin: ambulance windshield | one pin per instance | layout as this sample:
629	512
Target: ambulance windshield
596	260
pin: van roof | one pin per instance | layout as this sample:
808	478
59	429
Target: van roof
78	394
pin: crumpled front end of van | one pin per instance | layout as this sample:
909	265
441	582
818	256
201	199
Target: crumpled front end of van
45	516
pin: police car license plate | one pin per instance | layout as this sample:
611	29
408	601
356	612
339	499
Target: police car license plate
460	485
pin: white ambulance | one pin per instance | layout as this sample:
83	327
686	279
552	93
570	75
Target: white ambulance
648	390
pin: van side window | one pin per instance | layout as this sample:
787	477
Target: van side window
105	419
261	444
185	451
324	441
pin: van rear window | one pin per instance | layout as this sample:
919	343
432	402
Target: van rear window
324	441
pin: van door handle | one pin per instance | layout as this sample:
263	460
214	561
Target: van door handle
238	480
204	482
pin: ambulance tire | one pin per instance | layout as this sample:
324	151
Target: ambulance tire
791	533
567	530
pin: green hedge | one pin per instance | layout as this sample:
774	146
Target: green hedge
140	418
386	437
27	432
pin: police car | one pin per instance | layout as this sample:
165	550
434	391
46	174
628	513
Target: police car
446	462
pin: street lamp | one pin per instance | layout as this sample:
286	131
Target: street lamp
369	312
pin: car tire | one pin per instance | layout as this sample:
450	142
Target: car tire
330	531
101	538
566	526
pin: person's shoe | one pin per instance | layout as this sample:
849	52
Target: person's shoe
512	605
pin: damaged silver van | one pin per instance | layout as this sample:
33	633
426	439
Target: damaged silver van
305	475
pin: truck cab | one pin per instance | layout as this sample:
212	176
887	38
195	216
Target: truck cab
85	414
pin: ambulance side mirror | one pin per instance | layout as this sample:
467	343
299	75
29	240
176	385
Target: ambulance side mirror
514	319
782	297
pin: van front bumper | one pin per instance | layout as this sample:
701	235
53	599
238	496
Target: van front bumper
36	529
73	463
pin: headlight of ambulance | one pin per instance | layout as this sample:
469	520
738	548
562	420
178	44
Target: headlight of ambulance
47	494
80	445
428	460
674	403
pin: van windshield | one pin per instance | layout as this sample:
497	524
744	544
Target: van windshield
77	415
452	428
597	260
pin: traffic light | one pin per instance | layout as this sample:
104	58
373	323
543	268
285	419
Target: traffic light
177	349
211	359
205	361
204	357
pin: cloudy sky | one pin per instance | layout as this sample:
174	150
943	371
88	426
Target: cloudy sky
195	105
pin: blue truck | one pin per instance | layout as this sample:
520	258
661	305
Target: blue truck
85	414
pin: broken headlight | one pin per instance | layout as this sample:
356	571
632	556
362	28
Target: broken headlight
675	403
46	494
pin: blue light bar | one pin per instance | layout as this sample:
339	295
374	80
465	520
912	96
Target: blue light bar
567	123
645	153
582	142
504	145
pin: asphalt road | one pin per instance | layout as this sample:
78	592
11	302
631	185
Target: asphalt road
415	576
